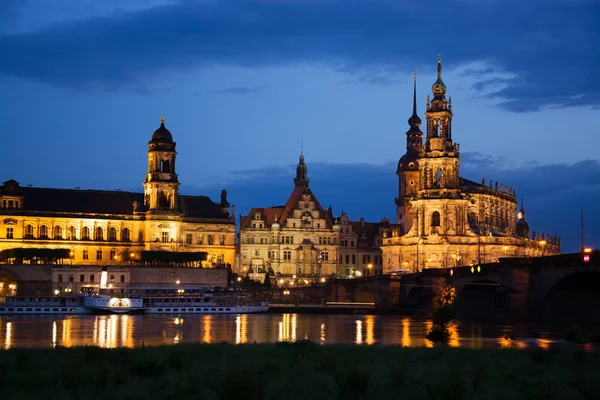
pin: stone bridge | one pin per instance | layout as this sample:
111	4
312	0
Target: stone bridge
30	278
559	287
382	290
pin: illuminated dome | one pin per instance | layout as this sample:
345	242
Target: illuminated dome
162	134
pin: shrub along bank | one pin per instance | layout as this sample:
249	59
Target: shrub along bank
301	370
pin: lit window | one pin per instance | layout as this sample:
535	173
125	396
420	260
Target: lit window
29	232
188	238
112	234
99	233
125	235
43	232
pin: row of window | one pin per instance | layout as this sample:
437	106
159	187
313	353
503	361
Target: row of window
92	278
260	225
189	239
287	254
11	204
71	233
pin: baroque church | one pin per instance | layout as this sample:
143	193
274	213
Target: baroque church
443	219
104	227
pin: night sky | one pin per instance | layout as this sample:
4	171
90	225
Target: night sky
242	83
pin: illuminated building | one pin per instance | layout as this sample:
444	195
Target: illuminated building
101	227
360	241
299	238
444	220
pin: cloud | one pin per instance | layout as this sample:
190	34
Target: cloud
242	90
553	57
553	194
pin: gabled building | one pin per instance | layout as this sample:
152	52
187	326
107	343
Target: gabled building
445	220
298	239
99	227
360	241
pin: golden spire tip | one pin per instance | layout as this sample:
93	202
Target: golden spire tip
162	119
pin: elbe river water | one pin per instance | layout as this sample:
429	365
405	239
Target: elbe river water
136	330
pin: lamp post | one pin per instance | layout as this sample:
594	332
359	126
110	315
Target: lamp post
370	266
286	293
505	248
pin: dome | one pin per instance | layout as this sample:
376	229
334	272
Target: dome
275	225
336	227
407	163
162	134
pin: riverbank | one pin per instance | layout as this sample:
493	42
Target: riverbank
302	370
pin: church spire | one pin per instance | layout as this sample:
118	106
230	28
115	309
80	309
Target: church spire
439	88
414	121
301	179
414	136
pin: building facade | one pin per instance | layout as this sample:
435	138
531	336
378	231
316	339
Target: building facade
444	220
103	227
298	240
360	242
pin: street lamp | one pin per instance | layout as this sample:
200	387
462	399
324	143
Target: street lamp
286	293
505	248
370	266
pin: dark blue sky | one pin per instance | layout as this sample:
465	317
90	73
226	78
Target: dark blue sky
243	82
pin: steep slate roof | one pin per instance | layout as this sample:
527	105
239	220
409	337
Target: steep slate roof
282	212
105	202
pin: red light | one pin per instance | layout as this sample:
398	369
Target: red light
586	258
451	272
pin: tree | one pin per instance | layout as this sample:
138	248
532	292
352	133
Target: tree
267	282
443	315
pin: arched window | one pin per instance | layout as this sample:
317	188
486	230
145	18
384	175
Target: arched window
57	232
85	233
29	232
112	234
163	200
99	234
164	166
72	235
125	237
43	232
435	219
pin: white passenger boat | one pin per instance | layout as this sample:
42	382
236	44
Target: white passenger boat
155	300
15	305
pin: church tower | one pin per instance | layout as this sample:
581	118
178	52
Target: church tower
161	184
301	179
440	160
408	167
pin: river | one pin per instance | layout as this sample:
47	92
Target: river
137	330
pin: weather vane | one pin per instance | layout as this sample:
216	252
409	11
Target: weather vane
415	75
162	119
439	57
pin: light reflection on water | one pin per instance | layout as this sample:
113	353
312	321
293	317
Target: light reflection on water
137	330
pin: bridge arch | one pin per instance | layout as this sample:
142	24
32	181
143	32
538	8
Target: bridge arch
9	282
573	298
477	298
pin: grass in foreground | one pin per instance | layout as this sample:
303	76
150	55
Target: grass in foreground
302	370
